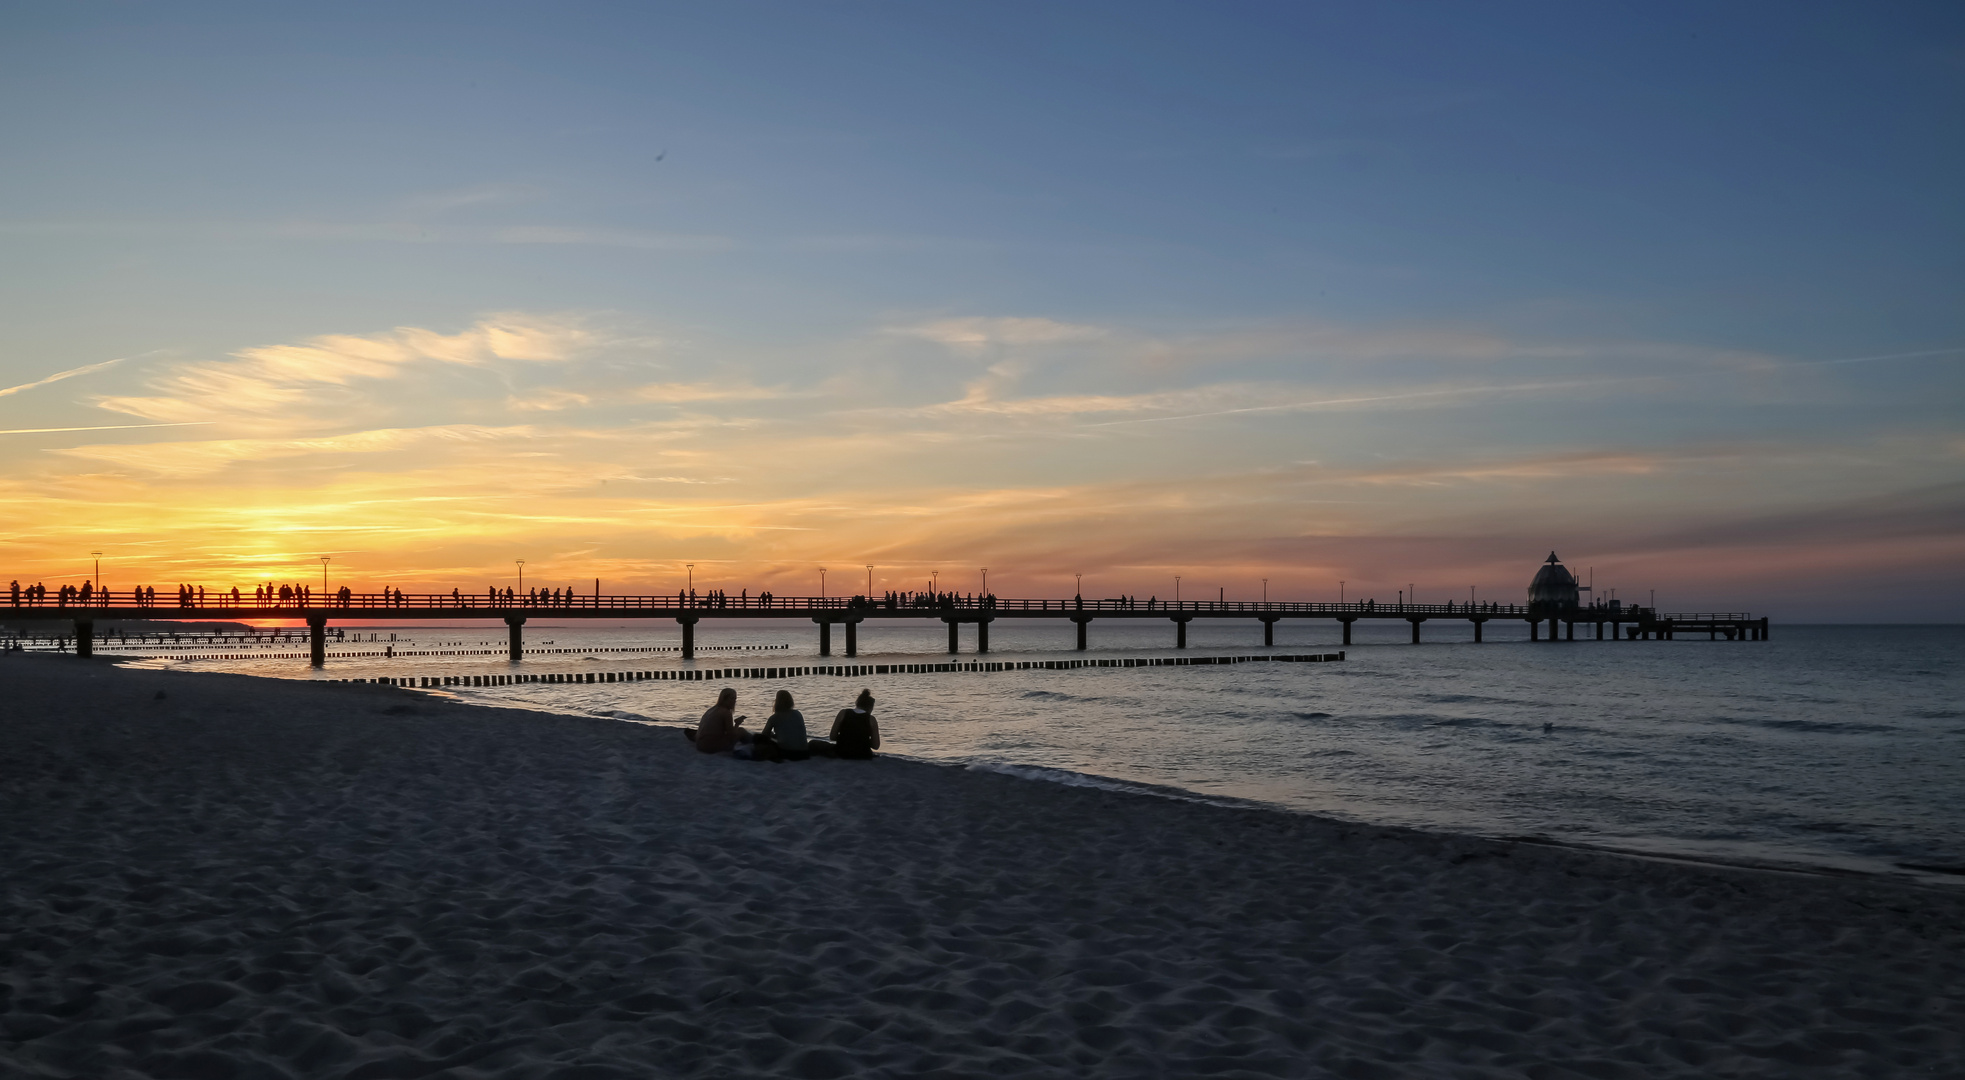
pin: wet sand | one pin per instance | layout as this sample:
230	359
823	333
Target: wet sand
219	876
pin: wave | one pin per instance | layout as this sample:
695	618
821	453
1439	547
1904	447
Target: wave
1069	778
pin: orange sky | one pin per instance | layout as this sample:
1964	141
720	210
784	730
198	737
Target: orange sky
432	459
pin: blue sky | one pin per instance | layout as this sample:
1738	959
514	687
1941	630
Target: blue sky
1386	292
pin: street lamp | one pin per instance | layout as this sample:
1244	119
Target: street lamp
1265	590
324	562
1340	592
985	571
521	563
869	581
822	583
1081	583
1176	588
935	582
692	575
97	555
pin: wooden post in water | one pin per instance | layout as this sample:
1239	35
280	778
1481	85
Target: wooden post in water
517	639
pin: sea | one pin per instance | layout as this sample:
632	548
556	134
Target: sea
1836	749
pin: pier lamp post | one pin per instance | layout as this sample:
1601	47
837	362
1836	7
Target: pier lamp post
1340	593
822	583
1081	584
985	573
324	562
521	563
1176	588
935	582
869	581
691	567
1265	590
97	556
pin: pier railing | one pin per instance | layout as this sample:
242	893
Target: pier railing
927	605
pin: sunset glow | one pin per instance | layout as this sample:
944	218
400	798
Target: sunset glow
767	352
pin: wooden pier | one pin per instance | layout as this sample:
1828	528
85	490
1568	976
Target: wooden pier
1607	622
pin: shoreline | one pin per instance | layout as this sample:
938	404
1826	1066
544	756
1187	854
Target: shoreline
1934	876
1929	876
236	875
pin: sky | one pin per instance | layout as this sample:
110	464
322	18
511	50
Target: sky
1273	299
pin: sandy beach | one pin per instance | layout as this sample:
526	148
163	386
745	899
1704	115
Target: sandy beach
218	876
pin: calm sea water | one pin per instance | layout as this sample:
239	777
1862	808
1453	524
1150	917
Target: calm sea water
1837	747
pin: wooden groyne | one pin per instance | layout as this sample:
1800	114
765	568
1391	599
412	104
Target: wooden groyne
849	671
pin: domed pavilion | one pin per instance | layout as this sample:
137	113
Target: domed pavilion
1553	590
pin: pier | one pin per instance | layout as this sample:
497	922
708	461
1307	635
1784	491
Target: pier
1608	622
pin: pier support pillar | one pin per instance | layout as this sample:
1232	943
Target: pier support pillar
1763	628
954	639
982	635
852	637
1478	623
1269	629
688	636
1599	629
85	638
1415	628
1535	629
1347	629
512	624
1180	632
317	640
1082	622
825	636
1570	629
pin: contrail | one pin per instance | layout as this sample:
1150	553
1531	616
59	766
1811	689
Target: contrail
1889	356
104	427
60	375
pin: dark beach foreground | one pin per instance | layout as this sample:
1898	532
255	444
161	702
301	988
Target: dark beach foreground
220	876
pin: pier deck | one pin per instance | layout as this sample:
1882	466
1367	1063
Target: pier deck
1619	623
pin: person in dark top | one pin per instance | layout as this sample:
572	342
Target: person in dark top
855	733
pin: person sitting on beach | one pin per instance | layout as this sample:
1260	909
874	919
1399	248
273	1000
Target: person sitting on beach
719	730
855	733
783	737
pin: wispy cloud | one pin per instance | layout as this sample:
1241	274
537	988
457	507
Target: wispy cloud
328	381
974	334
621	238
